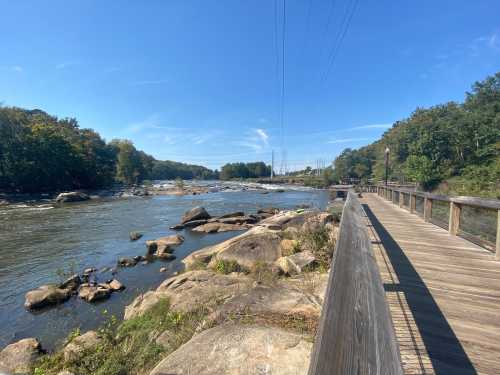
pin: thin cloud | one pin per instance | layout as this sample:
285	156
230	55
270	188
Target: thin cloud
373	126
262	135
17	68
348	140
68	64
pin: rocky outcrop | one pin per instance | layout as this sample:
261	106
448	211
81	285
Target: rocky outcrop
73	196
231	214
190	290
164	245
75	347
296	263
196	213
217	227
17	358
239	349
46	295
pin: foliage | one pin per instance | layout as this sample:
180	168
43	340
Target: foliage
245	170
227	266
179	183
318	241
129	347
39	152
448	141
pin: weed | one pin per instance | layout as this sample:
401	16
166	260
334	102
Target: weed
227	266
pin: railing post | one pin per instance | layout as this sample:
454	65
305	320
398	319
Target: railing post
427	209
454	223
413	203
497	256
401	199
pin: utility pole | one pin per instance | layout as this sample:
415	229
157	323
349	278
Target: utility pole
272	164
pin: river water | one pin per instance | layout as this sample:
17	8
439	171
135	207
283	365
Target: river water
39	240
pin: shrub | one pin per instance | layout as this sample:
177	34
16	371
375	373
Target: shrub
227	266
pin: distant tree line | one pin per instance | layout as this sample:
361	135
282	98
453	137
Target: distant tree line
454	144
245	170
39	152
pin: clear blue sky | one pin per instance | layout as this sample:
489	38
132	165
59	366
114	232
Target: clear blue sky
198	81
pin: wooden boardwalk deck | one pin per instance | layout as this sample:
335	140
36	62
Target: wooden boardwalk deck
443	293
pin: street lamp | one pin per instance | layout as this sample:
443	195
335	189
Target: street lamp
386	164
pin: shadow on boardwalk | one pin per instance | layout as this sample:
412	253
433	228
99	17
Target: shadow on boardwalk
445	350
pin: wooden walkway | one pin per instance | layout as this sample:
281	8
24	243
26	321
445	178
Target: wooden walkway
443	293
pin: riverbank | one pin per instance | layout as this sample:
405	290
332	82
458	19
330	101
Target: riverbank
266	284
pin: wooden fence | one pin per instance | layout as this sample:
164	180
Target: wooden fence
355	333
476	219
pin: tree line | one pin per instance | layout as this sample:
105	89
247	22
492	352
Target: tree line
453	147
39	152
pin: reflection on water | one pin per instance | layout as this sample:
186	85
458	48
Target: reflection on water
38	240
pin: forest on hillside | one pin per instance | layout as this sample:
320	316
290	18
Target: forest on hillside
451	148
39	152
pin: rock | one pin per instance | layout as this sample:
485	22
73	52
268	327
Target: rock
93	293
65	372
17	358
239	220
317	221
294	264
268	210
134	236
115	285
72	283
75	347
231	214
163	269
189	290
73	196
89	270
239	349
289	247
177	227
127	262
219	227
164	244
196	213
257	244
195	223
249	250
46	295
139	258
166	256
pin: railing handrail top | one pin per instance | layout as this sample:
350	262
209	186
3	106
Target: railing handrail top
464	200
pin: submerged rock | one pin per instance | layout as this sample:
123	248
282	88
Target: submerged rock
196	213
46	295
164	244
134	236
127	262
73	196
177	227
72	283
240	349
18	358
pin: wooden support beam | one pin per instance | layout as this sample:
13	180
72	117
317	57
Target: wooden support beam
413	203
427	209
401	199
454	223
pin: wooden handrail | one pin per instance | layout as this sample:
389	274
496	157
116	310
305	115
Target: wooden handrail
456	205
355	333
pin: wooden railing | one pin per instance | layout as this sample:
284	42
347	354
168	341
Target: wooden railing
355	333
476	219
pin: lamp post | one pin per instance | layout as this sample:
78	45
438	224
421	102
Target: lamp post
386	164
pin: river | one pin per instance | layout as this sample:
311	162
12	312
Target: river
38	240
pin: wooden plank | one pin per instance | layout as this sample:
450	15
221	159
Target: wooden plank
355	333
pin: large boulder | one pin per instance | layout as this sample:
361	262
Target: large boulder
317	221
74	196
190	290
196	213
17	358
93	293
239	220
164	244
195	223
79	344
240	349
72	283
231	214
296	263
46	295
